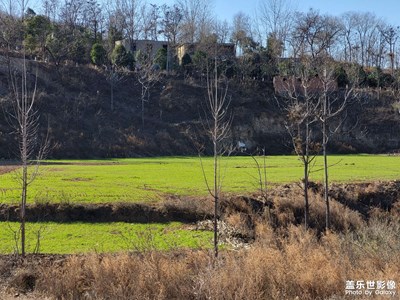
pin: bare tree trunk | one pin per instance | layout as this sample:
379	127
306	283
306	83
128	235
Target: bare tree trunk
147	76
26	125
326	188
306	162
301	110
324	145
25	120
216	175
333	105
142	108
306	201
24	112
114	77
217	125
23	206
216	194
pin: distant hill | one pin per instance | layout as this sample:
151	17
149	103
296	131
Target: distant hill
74	106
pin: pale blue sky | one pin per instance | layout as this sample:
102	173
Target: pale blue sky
386	9
389	10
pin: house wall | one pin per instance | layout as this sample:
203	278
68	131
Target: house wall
146	46
224	50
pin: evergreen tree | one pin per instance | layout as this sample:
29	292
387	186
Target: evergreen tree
98	54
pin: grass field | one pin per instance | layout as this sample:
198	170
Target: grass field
104	237
149	179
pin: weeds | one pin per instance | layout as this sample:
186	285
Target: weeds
294	265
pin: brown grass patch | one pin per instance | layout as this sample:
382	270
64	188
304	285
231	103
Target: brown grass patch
288	209
190	205
297	265
7	168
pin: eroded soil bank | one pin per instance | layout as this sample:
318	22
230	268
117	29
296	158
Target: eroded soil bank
359	197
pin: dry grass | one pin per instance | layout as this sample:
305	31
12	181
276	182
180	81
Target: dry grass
283	262
153	275
289	209
201	206
296	264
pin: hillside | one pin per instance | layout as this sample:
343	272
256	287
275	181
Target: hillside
74	106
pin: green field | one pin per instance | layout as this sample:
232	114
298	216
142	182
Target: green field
149	179
103	237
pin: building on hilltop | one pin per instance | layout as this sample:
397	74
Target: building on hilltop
224	50
145	46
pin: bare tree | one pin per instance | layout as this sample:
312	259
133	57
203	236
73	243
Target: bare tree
390	35
217	123
151	21
261	165
315	34
11	31
170	23
333	104
196	21
26	121
366	39
301	107
241	31
147	75
171	20
93	19
50	9
275	17
365	27
222	30
9	7
114	76
71	13
348	35
130	10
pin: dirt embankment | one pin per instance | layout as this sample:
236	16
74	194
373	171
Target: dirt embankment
124	212
361	198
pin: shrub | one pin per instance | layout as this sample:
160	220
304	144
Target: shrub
161	58
199	60
186	60
121	58
98	54
341	77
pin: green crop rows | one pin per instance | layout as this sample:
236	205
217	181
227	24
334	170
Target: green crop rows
148	180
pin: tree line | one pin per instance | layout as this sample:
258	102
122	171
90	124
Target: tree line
84	31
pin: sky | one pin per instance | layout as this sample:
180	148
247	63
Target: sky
389	10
